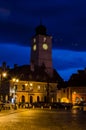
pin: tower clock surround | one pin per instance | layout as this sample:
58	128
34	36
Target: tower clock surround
41	49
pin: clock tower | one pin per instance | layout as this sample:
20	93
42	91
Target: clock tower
41	49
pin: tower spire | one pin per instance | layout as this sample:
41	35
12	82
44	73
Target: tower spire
40	20
41	29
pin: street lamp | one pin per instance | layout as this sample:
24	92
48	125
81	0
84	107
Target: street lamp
2	89
13	90
15	80
4	74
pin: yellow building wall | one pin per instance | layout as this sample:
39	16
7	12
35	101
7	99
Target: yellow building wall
33	89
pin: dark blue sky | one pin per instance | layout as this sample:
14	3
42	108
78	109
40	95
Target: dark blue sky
65	20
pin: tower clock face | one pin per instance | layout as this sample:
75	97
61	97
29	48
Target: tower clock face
45	46
34	47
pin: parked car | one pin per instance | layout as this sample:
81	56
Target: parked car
24	105
78	106
28	105
1	105
6	105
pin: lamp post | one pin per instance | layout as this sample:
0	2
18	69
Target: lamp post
13	91
2	89
47	90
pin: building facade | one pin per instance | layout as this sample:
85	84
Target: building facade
36	82
75	89
30	91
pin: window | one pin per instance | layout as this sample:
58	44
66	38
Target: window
15	87
34	40
23	98
38	87
23	87
44	39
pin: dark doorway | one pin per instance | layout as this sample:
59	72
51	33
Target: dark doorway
31	99
23	99
38	99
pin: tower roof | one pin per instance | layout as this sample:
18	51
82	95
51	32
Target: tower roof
41	29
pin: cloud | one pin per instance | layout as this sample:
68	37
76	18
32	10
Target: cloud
64	61
68	59
4	13
66	74
15	33
65	20
14	54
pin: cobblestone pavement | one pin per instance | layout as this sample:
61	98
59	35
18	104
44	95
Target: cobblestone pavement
40	119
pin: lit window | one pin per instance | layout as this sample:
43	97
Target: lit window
31	88
34	40
38	87
44	39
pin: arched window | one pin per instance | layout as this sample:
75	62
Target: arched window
38	99
23	98
31	99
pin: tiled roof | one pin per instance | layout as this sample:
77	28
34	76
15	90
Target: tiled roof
24	73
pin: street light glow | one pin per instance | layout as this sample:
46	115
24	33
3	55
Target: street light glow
31	84
26	84
15	80
4	74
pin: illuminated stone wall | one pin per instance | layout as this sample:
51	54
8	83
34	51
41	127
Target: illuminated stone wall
35	90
